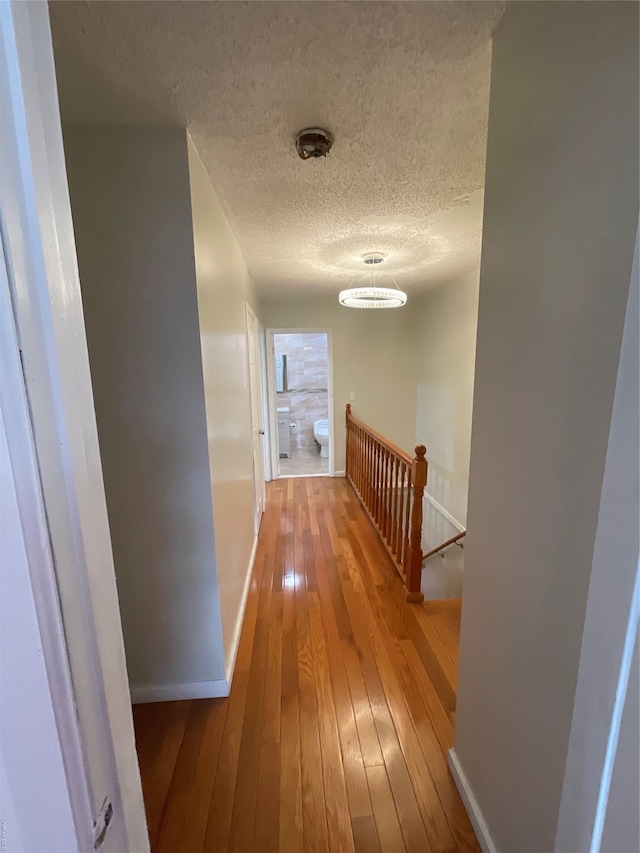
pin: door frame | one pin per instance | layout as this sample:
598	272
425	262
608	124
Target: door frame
257	426
272	397
53	365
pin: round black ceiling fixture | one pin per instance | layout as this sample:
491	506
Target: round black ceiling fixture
313	142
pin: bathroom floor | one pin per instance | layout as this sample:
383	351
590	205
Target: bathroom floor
303	461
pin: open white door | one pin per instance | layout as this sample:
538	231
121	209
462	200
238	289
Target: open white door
52	448
253	338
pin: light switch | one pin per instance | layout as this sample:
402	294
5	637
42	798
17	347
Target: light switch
352	396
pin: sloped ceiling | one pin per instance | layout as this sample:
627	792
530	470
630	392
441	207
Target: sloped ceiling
403	87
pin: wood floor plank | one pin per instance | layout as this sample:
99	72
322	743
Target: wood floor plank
386	815
335	790
315	832
159	777
335	732
267	821
435	822
199	798
183	778
290	810
391	631
222	799
411	821
369	744
365	834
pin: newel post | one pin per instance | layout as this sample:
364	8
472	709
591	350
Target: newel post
414	568
347	465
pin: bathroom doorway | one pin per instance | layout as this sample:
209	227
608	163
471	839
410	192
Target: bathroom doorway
301	402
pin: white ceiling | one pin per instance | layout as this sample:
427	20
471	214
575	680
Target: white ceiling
402	86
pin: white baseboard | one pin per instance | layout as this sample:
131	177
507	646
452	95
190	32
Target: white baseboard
218	688
235	642
434	503
339	473
176	692
470	803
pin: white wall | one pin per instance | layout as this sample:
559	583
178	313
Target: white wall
35	805
446	349
131	208
448	317
561	210
609	623
224	284
374	354
621	829
81	600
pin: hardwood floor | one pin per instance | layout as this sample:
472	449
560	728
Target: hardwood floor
334	736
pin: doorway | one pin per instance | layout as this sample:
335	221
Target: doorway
301	402
257	428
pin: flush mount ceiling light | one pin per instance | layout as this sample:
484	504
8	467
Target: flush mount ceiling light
373	296
313	142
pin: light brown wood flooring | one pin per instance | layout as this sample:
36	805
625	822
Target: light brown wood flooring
342	706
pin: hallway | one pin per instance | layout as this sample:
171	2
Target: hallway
334	736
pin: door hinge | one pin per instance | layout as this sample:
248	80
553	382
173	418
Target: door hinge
101	824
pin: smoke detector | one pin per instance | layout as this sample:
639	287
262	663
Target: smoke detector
313	142
373	258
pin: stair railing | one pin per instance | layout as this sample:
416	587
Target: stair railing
390	485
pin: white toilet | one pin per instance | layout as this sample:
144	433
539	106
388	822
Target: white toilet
321	435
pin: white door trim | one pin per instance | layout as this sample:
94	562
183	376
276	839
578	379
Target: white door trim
14	410
272	398
255	392
46	304
266	444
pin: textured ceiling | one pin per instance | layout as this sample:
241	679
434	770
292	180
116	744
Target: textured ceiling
402	86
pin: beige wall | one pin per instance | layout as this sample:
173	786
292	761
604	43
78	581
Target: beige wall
224	284
448	317
560	216
610	620
164	288
373	355
446	349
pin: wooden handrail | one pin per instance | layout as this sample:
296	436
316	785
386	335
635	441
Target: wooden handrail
390	485
444	545
379	438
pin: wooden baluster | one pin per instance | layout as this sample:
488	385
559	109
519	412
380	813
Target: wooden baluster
369	472
387	496
363	471
414	565
360	440
362	477
383	496
374	465
396	505
381	490
403	493
388	500
396	499
354	455
376	496
407	517
347	466
392	502
399	537
372	469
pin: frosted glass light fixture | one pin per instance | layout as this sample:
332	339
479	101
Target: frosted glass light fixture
373	296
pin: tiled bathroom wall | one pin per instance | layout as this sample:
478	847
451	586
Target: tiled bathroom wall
307	382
